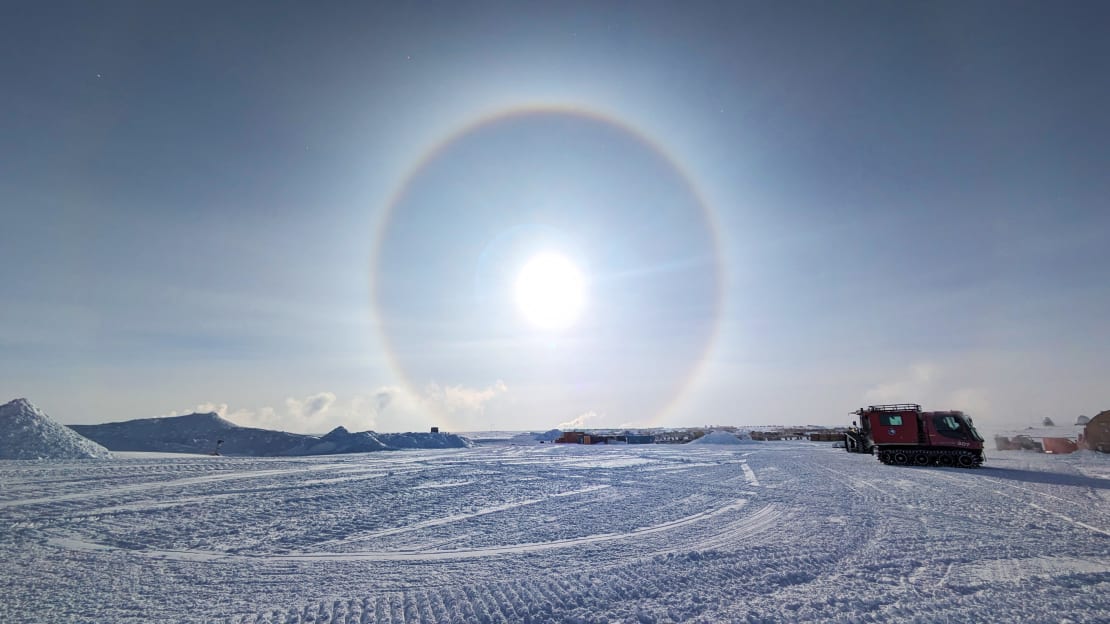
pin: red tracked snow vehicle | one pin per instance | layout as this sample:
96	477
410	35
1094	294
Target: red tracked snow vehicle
903	434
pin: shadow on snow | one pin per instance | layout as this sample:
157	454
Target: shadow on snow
1051	478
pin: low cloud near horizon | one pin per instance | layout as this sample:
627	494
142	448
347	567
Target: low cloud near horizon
388	408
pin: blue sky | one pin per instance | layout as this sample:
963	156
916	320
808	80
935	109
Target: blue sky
892	201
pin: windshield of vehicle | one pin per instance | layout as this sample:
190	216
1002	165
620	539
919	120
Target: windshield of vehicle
955	426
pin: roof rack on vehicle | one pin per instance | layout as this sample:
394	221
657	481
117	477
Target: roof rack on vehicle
895	407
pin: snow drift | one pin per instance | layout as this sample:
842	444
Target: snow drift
413	440
720	437
27	433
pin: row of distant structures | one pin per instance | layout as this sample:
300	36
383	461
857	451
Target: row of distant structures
682	436
1095	437
585	437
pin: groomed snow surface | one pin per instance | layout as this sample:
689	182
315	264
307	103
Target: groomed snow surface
780	531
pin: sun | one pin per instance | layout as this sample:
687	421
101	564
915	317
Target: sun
550	291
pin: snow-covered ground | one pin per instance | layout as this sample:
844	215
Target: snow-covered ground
780	531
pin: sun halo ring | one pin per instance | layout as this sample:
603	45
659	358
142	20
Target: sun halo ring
430	154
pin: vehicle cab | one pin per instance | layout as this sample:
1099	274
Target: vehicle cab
952	428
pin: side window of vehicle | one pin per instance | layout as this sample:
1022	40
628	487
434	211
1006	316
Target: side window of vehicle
888	419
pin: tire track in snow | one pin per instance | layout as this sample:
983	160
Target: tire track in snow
631	586
142	487
1038	492
765	518
1033	492
1059	515
456	518
735	533
749	474
1018	570
851	482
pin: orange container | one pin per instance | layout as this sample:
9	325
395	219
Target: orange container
1059	446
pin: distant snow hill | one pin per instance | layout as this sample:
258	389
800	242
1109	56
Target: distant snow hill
27	433
200	433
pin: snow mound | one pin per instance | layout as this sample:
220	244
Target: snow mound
27	433
523	439
719	437
413	440
529	438
208	433
339	440
550	435
195	433
204	433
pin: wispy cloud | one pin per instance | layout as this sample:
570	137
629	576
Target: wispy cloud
916	382
581	421
463	406
313	407
453	399
388	408
933	387
317	413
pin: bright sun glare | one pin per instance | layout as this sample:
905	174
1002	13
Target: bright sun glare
550	291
